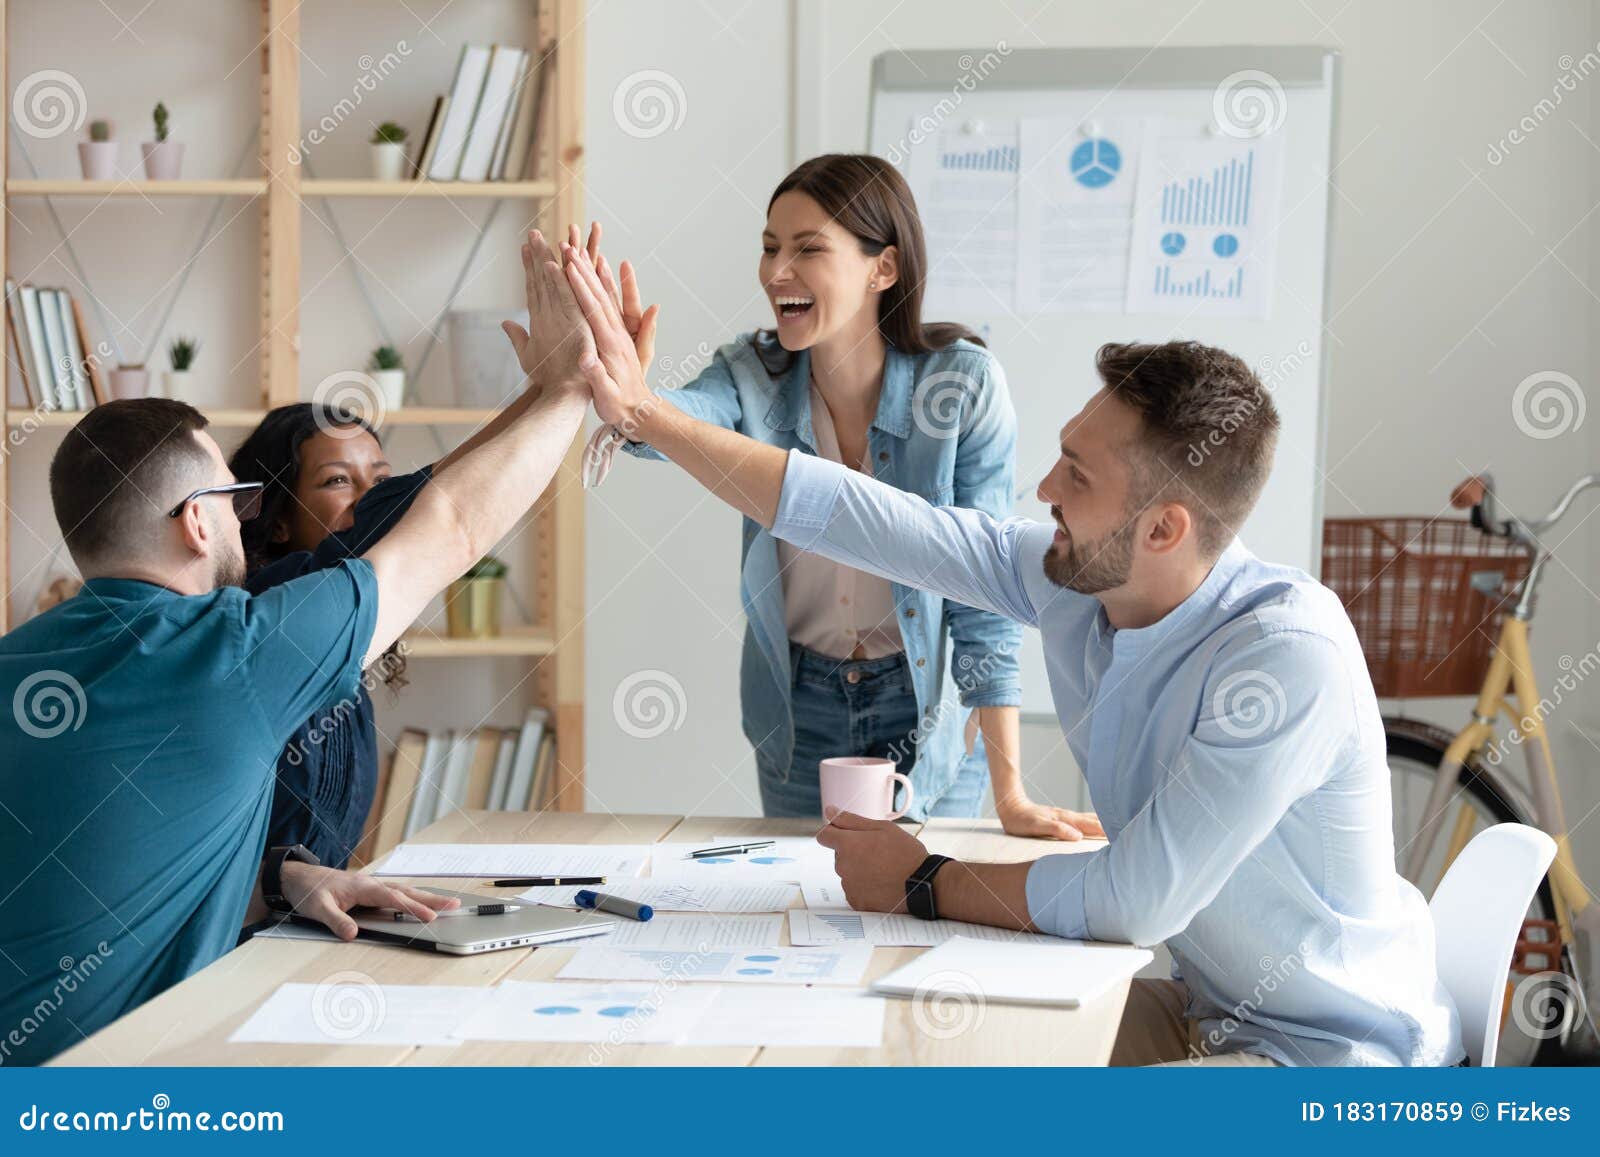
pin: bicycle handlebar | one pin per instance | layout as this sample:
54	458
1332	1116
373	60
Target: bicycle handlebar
1478	493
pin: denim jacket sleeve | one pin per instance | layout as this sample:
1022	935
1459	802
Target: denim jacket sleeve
711	397
986	644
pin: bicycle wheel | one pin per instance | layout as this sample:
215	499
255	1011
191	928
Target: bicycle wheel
1415	750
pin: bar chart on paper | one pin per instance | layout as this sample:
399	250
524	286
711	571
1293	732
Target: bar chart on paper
1205	224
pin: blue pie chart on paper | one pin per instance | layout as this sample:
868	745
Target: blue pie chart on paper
556	1010
714	860
619	1010
772	859
763	959
1226	245
1172	244
1095	163
755	972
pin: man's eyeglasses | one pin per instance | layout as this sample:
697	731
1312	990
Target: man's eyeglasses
246	499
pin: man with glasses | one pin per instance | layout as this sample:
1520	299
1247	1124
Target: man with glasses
136	772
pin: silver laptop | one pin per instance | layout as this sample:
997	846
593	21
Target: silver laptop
528	925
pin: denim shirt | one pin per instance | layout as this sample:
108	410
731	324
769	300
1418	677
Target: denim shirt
944	431
1236	757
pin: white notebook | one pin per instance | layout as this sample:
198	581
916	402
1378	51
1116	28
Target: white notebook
1066	973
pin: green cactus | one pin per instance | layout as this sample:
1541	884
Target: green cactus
386	357
389	133
100	131
161	121
182	351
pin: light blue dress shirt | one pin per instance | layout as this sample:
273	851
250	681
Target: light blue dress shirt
1234	753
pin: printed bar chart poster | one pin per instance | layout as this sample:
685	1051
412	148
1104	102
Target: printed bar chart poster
965	184
1205	228
1075	214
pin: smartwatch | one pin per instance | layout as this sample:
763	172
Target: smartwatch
272	873
919	888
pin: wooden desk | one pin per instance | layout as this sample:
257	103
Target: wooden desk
190	1024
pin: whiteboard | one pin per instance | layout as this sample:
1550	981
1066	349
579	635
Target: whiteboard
1049	359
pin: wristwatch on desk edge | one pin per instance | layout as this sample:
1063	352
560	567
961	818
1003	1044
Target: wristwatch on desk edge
272	873
919	888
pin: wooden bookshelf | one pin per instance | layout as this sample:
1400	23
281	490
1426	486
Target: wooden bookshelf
556	545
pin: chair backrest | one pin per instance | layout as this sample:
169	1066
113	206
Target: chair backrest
1478	911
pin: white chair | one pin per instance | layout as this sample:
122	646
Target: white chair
1478	910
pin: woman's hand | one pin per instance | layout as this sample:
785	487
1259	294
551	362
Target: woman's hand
640	323
327	894
611	364
549	349
1020	816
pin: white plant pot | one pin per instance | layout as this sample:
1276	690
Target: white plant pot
178	384
388	161
391	388
130	382
163	160
99	160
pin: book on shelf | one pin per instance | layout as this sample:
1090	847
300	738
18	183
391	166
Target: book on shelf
393	801
49	340
486	127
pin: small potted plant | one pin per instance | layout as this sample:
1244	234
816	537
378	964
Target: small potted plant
98	154
473	601
163	158
130	381
388	370
181	353
389	152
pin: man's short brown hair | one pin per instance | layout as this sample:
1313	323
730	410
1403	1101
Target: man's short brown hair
1209	431
116	468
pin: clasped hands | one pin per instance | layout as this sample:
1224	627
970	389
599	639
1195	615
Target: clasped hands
586	329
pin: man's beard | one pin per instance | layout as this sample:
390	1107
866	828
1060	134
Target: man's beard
230	570
1092	567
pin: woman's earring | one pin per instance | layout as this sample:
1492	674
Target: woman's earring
872	284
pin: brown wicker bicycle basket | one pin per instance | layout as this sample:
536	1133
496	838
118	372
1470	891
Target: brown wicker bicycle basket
1408	585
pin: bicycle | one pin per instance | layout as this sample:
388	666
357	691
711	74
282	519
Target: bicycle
1444	607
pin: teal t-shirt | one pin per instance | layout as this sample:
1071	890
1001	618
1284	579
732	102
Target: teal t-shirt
136	778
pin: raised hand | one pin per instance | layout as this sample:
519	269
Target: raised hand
556	338
611	367
624	293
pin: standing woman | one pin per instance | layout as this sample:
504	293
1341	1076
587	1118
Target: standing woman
329	495
837	661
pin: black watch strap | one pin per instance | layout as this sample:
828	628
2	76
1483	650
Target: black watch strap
919	888
272	873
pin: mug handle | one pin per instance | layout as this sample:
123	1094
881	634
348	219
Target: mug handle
905	782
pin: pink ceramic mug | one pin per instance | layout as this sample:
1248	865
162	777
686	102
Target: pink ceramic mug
863	785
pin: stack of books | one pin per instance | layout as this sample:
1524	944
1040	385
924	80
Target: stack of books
485	127
434	773
51	349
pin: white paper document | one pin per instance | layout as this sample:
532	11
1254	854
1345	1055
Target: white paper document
685	930
669	896
514	860
363	1013
825	892
790	859
601	1013
825	1017
844	964
1205	232
965	185
1075	198
1064	973
882	930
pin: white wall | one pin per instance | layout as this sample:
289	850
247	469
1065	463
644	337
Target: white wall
1453	279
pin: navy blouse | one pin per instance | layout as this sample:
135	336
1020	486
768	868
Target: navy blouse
328	773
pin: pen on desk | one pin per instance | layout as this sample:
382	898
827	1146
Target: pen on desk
546	881
732	849
475	910
601	902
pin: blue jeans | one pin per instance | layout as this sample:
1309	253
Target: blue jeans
858	707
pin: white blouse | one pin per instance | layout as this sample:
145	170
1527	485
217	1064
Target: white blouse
836	610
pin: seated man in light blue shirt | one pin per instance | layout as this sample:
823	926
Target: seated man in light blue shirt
1219	706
